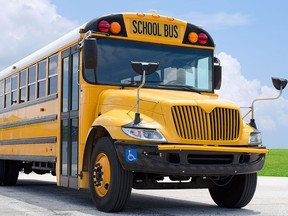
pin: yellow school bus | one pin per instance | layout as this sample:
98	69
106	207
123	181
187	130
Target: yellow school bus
128	101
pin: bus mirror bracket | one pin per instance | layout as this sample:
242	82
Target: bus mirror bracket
217	74
279	84
90	53
142	68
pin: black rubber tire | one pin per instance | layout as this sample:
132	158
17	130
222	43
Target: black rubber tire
237	193
2	171
11	173
119	190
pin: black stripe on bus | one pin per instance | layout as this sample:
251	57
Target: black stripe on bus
39	140
51	159
29	103
29	121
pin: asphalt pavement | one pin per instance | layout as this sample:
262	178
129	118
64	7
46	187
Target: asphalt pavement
39	195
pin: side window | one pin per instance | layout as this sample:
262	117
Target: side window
14	89
22	90
7	92
1	93
204	74
31	82
41	79
52	75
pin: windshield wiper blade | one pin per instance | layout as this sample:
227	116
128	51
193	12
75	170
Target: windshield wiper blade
130	83
185	87
135	83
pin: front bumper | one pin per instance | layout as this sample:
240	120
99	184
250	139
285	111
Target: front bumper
194	161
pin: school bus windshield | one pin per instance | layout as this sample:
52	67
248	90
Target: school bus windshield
179	67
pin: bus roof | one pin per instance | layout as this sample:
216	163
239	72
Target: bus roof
42	53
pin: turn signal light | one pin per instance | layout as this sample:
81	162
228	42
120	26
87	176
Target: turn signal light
115	28
193	37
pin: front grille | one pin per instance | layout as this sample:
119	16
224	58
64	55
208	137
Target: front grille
192	122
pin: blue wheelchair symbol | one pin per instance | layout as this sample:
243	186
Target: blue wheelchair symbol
131	155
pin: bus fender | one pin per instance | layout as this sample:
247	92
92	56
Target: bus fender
108	124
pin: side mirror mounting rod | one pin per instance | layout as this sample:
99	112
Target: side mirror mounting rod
142	68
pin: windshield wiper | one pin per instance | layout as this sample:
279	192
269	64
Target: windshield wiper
185	87
130	83
136	83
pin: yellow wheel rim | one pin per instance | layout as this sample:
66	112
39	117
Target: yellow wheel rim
102	175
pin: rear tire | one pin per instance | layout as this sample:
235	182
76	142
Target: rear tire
9	172
110	185
12	173
237	193
2	171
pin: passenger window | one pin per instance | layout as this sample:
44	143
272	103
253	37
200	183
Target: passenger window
41	79
52	75
1	93
31	82
7	92
14	90
22	90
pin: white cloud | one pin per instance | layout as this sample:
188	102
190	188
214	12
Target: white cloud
270	115
234	84
27	25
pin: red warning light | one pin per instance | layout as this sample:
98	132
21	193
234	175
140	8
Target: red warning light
202	38
104	26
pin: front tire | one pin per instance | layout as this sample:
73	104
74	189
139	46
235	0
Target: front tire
237	193
110	185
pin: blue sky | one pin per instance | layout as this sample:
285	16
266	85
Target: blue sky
250	36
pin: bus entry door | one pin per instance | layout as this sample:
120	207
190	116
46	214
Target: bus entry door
69	118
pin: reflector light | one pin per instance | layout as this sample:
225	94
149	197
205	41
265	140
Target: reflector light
104	26
193	37
202	38
115	28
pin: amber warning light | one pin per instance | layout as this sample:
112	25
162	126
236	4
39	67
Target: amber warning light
104	26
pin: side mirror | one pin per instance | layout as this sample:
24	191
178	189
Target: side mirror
279	83
217	74
148	67
90	53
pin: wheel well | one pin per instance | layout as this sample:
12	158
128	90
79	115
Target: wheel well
96	133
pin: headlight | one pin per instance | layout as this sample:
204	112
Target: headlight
255	138
145	134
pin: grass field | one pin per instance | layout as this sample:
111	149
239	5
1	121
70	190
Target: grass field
276	163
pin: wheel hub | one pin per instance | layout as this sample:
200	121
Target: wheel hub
101	174
98	176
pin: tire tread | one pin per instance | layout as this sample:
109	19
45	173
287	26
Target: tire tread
237	194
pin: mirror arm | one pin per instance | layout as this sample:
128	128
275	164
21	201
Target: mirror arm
86	36
137	118
263	99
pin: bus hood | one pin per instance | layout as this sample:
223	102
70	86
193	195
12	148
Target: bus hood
182	117
157	101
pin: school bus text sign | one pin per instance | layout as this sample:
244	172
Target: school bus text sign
156	30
